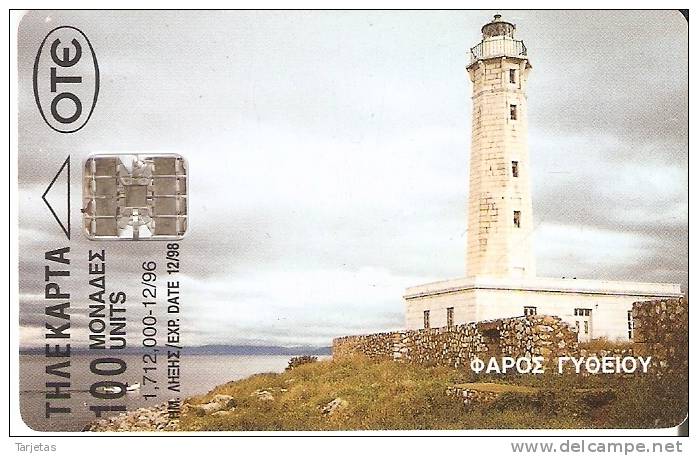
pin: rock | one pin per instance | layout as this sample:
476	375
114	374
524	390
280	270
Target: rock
217	403
142	419
221	413
207	409
334	406
227	400
263	395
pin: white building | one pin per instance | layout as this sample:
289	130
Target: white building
501	280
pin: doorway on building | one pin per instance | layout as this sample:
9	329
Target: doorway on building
582	321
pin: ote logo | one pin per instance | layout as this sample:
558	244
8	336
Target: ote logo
66	79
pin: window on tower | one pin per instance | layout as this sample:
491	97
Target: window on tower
512	112
631	325
517	219
512	76
515	169
449	317
426	319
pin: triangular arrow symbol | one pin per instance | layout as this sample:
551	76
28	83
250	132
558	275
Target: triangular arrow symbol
63	202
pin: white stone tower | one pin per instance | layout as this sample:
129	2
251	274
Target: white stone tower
501	280
500	222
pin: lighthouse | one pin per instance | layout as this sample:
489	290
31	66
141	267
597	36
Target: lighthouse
500	215
501	279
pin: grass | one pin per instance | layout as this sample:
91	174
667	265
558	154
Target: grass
489	387
391	395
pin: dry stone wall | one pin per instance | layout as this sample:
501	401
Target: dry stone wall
378	346
535	335
660	331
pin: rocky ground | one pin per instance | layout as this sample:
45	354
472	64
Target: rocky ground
157	418
143	419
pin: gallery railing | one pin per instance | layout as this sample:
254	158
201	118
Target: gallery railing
497	47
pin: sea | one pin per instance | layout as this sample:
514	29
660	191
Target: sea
199	375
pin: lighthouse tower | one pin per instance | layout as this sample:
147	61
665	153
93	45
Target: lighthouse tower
501	280
500	222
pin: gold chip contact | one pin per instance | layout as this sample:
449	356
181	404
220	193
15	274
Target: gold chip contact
135	197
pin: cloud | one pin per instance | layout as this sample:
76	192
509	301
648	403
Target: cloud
328	158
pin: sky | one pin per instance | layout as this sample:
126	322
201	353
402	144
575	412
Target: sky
328	156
